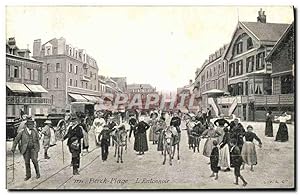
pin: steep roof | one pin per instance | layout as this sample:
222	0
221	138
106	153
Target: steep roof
137	86
266	31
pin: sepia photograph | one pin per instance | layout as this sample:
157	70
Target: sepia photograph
160	97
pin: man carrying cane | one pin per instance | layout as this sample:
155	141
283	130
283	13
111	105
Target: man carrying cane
28	140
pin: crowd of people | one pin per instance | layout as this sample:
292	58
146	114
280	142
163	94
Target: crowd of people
227	144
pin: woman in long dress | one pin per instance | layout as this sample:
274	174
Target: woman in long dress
220	123
140	141
248	151
212	134
269	124
153	122
282	133
224	158
189	126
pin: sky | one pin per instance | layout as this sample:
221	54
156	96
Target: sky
162	46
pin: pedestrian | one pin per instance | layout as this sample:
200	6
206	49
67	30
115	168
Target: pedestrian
236	161
176	122
237	132
74	136
152	136
208	115
220	123
189	126
132	122
29	145
97	126
248	151
161	126
269	124
212	134
46	132
140	142
214	160
282	133
111	126
224	160
84	124
103	138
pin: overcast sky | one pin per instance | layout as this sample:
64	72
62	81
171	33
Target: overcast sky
161	46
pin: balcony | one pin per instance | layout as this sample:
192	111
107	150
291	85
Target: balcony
27	100
260	100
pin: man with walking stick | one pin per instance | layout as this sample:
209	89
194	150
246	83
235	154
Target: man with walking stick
28	140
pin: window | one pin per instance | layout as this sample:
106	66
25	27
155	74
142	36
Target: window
81	84
249	43
75	83
239	48
250	64
232	70
75	69
287	84
48	51
8	71
224	69
215	73
260	61
85	71
56	82
91	74
35	75
47	83
27	73
258	88
239	67
207	75
70	68
95	88
16	72
48	68
70	82
57	67
86	85
31	74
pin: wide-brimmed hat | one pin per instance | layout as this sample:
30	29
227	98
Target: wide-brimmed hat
48	122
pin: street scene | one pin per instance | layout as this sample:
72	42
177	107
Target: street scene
156	98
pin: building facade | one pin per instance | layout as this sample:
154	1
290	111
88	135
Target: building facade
24	91
249	75
70	74
210	77
121	82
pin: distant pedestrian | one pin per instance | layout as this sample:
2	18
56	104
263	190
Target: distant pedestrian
161	126
282	133
248	151
269	124
220	123
237	132
214	160
153	123
29	145
224	159
208	115
97	126
46	132
236	162
84	124
132	122
212	134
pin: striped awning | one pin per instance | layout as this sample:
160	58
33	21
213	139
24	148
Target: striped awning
17	87
77	97
36	88
90	98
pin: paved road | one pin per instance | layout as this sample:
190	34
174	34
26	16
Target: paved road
275	169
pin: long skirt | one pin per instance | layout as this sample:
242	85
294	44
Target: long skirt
160	145
224	157
155	137
269	128
282	133
151	134
140	142
85	140
52	137
249	153
208	146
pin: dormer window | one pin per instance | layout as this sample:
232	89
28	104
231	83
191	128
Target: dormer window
239	48
249	43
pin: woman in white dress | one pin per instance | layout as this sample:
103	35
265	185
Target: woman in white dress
282	133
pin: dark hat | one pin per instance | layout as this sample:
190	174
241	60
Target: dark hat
29	121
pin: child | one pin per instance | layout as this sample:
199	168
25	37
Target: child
236	161
104	138
214	160
75	151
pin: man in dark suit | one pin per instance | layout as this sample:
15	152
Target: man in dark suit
29	145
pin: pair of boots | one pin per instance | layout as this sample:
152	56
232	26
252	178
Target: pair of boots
237	181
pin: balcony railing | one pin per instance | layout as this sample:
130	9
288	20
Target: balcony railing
281	99
27	100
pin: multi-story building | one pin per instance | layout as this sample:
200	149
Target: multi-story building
121	82
70	74
249	76
211	79
23	83
186	93
282	60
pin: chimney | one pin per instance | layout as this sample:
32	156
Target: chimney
262	18
37	47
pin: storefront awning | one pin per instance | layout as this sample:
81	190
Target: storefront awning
90	98
17	87
36	88
77	97
213	91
